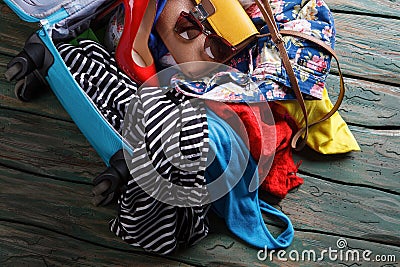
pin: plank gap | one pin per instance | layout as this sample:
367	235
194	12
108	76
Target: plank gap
133	250
326	179
375	127
41	175
393	242
364	14
36	114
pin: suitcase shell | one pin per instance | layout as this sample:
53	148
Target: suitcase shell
101	135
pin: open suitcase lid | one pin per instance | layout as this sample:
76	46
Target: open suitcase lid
51	11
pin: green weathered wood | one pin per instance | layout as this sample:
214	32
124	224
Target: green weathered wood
338	209
13	31
377	165
371	7
25	245
367	103
46	146
64	211
368	47
65	207
46	104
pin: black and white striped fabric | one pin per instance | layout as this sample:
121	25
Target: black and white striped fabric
169	137
96	72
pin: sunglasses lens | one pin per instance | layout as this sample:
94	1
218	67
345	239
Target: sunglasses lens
187	27
217	48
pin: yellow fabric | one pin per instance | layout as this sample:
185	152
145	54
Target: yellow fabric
332	136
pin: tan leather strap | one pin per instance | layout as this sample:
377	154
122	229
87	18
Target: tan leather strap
342	87
276	37
278	40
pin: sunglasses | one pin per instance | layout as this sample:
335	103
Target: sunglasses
216	47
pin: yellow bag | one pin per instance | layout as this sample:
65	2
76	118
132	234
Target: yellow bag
331	136
230	21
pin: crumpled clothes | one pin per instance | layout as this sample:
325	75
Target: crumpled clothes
142	219
267	134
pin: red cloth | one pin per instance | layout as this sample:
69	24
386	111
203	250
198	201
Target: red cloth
265	139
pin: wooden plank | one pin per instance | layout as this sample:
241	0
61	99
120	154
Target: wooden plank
46	146
27	245
368	47
375	166
343	210
63	208
367	103
13	31
371	7
24	245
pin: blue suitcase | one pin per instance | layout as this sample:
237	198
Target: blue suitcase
40	65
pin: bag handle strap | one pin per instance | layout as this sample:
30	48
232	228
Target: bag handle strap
276	36
334	55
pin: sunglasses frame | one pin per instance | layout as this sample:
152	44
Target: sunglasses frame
190	17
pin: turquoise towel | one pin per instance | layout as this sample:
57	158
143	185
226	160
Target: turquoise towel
240	207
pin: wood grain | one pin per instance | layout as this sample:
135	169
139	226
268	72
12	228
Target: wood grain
367	103
376	165
25	245
46	146
62	211
368	47
375	8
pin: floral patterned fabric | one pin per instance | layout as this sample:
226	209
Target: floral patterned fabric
261	60
225	86
311	64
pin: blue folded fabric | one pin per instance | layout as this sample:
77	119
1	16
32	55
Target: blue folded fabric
235	171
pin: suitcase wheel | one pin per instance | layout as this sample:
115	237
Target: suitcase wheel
13	71
108	184
101	199
29	87
105	185
29	68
